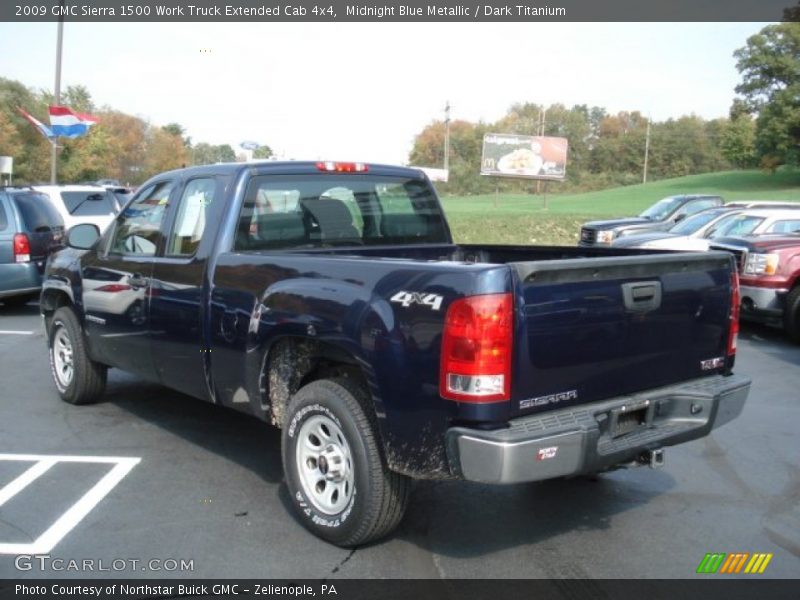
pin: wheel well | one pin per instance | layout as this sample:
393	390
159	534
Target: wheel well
50	302
294	362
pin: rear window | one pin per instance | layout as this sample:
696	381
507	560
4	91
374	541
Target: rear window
328	210
3	217
38	212
90	204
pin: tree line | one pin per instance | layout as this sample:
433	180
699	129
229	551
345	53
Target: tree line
761	130
121	146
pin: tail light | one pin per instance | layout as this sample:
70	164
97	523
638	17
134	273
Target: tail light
113	288
22	248
342	167
733	332
476	349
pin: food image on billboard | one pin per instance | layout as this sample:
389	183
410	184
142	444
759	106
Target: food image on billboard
534	157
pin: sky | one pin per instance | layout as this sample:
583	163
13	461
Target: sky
362	91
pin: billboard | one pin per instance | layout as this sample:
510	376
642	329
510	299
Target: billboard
534	157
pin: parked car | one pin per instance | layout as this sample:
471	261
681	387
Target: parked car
30	230
769	271
330	300
659	217
691	234
82	203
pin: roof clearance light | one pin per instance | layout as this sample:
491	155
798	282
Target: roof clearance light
342	167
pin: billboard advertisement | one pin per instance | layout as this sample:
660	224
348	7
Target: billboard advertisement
534	157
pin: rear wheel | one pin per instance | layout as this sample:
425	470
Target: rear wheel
335	471
79	379
791	314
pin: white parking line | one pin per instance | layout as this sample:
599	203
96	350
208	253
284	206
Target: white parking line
11	332
67	521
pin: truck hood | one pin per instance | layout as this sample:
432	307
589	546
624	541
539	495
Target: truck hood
617	223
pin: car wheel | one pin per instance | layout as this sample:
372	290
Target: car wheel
791	314
79	379
335	471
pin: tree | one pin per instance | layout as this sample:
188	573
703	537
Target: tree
738	141
770	87
262	152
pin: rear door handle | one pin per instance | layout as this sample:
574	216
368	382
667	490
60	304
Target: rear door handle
642	296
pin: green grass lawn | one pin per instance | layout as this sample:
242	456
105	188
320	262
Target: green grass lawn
523	218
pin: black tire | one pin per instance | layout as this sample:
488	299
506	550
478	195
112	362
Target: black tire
378	498
791	314
17	301
88	378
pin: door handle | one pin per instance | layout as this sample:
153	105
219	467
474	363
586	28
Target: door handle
136	281
642	296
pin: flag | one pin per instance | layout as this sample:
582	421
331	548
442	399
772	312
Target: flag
43	129
66	123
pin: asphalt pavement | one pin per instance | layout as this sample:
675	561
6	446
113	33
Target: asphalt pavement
151	483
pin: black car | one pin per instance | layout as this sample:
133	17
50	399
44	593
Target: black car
659	217
30	230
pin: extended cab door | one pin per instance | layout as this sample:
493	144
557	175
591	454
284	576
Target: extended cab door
116	282
176	300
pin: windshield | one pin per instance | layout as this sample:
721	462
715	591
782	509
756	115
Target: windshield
694	223
89	204
739	225
325	210
661	209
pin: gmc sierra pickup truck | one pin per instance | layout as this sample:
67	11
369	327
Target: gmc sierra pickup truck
329	300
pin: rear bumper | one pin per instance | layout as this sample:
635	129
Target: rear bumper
583	439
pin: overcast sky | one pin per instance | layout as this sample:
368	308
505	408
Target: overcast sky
362	91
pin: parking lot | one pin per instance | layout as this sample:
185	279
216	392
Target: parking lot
149	480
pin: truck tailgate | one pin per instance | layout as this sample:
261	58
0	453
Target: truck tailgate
596	328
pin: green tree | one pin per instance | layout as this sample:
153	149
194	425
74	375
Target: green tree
738	143
770	67
262	152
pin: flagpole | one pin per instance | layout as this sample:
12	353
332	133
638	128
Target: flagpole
57	94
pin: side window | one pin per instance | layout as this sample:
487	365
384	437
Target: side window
191	220
138	228
696	206
788	226
3	217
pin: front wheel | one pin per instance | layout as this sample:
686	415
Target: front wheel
791	315
335	471
79	379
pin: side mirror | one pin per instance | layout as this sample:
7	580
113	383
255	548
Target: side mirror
680	218
83	236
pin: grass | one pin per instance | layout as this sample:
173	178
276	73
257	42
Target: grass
524	219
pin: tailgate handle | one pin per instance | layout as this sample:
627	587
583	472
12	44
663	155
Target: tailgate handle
642	296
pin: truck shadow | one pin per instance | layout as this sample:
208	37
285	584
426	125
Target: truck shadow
242	439
772	341
467	520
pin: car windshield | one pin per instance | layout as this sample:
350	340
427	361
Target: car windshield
324	210
694	223
661	209
739	225
90	203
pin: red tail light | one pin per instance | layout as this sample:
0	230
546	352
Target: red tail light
342	167
476	349
733	332
113	288
22	248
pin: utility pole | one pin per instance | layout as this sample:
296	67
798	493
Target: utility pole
646	150
57	92
447	136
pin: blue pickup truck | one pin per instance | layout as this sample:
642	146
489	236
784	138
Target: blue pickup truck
329	300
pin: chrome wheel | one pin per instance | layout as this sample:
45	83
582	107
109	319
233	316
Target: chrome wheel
325	464
63	364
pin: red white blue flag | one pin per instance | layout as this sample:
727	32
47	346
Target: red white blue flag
43	129
65	123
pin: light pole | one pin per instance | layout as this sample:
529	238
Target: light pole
447	136
57	91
